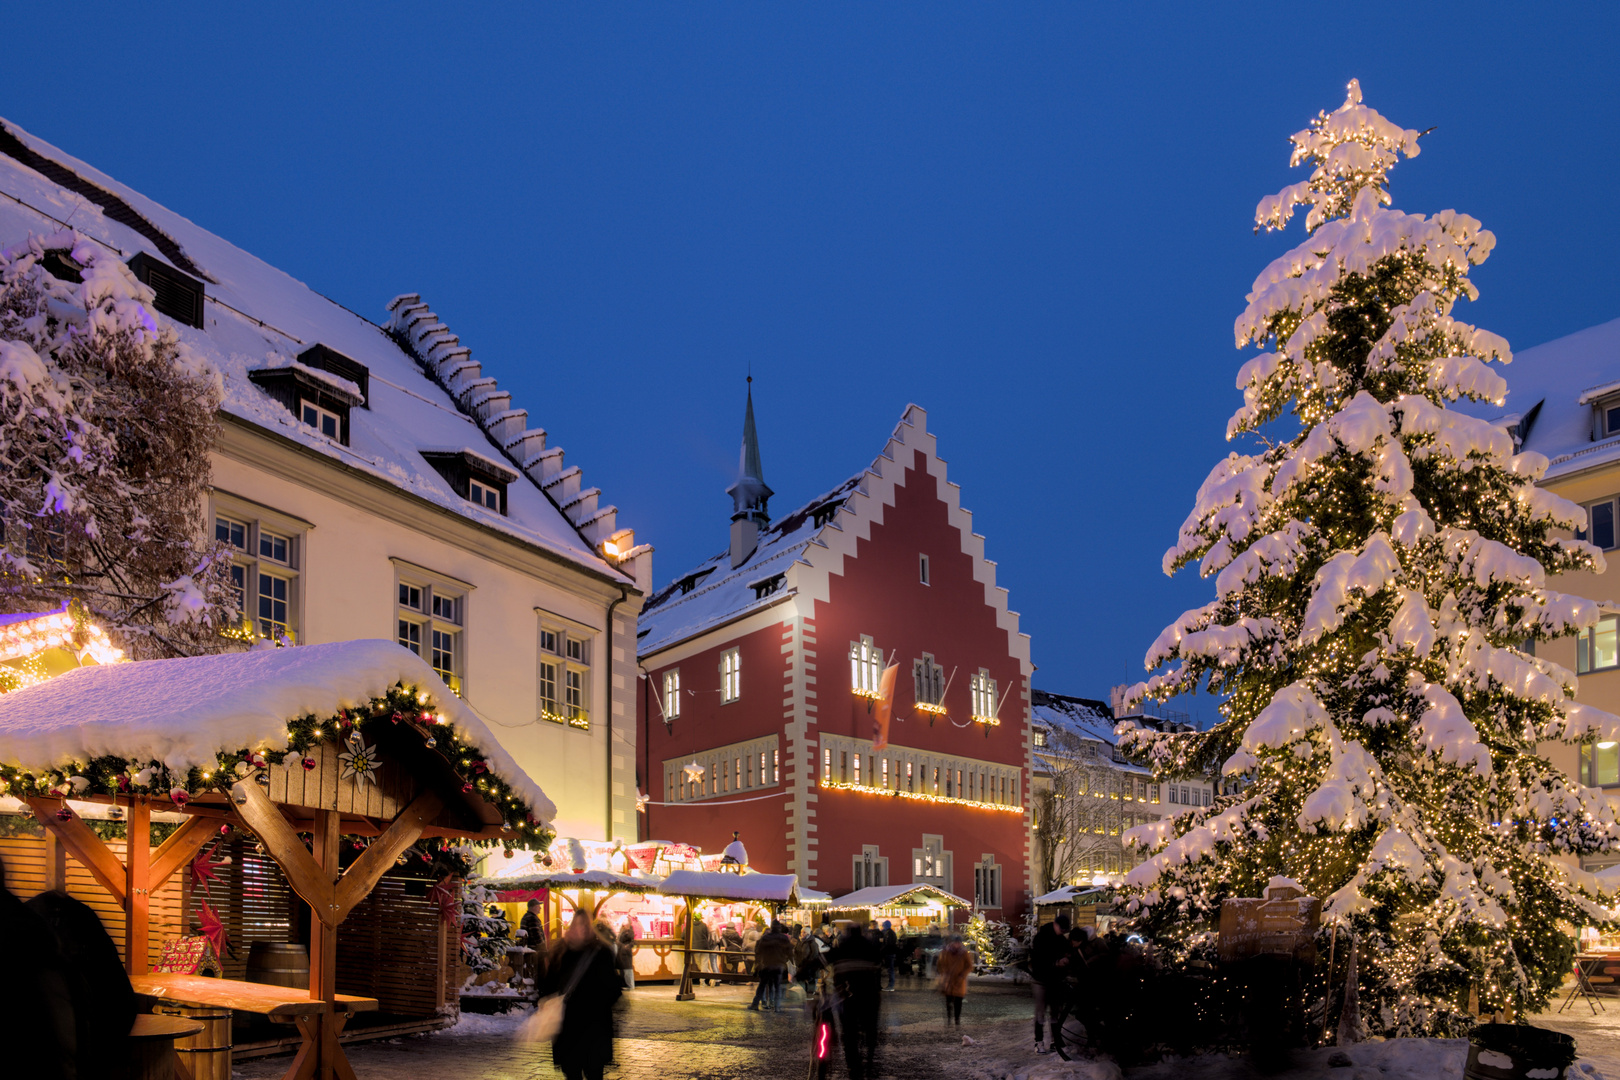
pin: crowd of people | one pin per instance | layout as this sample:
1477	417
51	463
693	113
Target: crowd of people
1092	978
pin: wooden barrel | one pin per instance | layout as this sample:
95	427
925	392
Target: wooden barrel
1517	1052
208	1053
277	963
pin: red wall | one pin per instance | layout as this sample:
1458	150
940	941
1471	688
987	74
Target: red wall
704	724
880	594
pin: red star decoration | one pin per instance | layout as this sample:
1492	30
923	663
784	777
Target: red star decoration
212	928
202	868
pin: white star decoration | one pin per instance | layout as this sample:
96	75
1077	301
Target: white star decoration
359	761
694	772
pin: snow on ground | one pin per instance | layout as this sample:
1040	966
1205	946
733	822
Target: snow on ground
1006	1052
503	1023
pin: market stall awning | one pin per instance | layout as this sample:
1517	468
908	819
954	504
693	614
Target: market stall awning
814	898
741	888
598	880
885	896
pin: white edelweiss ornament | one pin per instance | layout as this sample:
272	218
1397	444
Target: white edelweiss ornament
359	761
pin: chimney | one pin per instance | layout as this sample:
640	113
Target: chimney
749	495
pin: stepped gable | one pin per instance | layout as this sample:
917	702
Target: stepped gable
450	364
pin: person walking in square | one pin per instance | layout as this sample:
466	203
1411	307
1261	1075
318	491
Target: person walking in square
951	972
889	943
583	969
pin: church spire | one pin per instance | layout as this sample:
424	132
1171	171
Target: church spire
750	494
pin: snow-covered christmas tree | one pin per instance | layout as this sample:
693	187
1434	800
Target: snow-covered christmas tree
1380	563
106	420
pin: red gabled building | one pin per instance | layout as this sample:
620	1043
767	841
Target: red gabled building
760	667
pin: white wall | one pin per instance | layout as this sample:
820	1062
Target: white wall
347	590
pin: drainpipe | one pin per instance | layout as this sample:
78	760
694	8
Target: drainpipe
624	594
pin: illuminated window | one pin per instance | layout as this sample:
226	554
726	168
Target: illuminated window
826	765
865	666
725	769
857	776
931	863
1600	764
672	694
983	689
730	676
564	679
928	681
1595	648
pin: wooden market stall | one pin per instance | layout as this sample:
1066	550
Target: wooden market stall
912	907
727	889
358	739
1082	903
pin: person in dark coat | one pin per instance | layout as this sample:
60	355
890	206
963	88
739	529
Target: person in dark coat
889	942
857	975
772	952
584	969
732	942
103	999
534	936
1050	958
627	953
37	1025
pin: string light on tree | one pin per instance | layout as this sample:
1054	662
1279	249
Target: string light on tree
1379	559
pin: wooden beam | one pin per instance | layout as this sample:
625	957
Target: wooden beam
323	946
401	833
180	848
82	843
281	843
138	886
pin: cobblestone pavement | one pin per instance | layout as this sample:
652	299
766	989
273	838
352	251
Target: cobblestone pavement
712	1038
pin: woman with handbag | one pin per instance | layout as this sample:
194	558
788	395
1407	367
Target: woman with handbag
581	983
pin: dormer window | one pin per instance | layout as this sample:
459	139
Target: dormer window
766	586
473	476
323	420
690	581
1605	403
823	514
175	294
319	387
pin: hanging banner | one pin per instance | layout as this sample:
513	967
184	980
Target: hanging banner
885	707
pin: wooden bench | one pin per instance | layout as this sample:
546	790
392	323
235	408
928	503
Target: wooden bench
282	1004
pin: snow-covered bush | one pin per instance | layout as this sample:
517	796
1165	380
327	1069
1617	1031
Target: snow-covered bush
1380	561
106	421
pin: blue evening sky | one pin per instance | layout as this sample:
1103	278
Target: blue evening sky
1033	220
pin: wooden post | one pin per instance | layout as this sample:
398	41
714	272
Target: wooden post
137	886
55	863
323	944
685	992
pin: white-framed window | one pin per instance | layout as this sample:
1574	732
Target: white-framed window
1600	518
325	421
430	620
730	676
1595	647
724	770
672	694
931	863
987	882
851	762
484	495
1600	764
266	553
928	681
1040	736
563	675
983	689
865	666
871	868
922	570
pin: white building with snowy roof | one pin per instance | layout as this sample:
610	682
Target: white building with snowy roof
1086	794
1563	403
375	482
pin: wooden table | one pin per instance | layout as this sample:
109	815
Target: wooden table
151	1047
282	1004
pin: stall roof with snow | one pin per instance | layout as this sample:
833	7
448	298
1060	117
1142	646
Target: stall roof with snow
421	391
598	880
724	885
185	715
886	896
1073	894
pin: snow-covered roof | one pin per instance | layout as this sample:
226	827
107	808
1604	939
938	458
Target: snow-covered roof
184	713
1068	894
601	880
424	390
1081	717
891	895
1563	377
721	885
722	594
